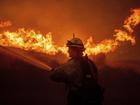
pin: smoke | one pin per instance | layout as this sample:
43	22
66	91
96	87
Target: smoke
63	17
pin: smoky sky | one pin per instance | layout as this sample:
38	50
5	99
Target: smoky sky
97	18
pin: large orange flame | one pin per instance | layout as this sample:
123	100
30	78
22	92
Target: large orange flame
32	41
121	35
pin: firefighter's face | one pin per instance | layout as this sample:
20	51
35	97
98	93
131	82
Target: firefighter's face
74	52
71	52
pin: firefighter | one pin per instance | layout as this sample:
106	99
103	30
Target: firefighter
80	76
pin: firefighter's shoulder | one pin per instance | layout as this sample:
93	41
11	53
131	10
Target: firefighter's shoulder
66	71
69	67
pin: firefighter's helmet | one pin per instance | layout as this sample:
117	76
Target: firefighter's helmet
75	42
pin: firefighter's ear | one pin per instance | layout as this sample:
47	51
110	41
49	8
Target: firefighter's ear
68	42
86	56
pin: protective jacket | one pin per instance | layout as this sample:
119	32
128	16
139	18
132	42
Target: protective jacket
72	72
80	76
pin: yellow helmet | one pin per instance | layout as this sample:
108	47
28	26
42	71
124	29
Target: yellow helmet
75	42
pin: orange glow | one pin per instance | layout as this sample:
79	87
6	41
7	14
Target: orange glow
32	41
5	24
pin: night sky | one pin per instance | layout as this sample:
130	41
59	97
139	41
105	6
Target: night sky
97	18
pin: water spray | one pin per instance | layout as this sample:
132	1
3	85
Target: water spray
26	58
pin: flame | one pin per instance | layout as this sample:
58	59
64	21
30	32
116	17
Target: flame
133	20
121	35
5	24
32	41
104	46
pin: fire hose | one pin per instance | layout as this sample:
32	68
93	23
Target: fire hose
28	59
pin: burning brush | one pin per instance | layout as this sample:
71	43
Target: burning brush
29	40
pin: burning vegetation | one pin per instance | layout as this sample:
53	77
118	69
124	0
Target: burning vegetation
31	41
